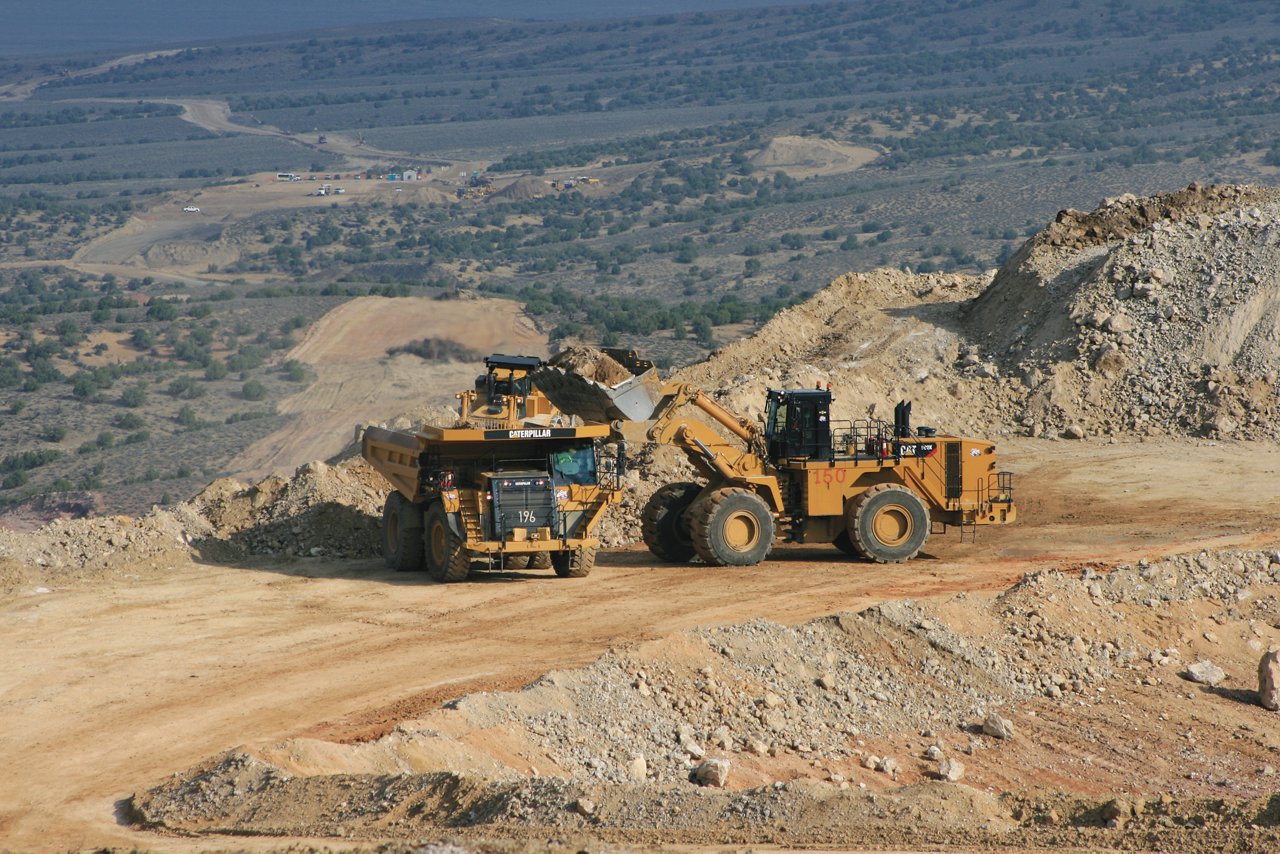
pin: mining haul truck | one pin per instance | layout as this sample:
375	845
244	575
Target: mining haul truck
871	488
514	483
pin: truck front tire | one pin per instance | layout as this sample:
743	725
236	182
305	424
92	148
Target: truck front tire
402	545
446	556
575	563
731	527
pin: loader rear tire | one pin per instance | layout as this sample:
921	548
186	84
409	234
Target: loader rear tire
731	527
402	534
575	563
540	560
447	557
665	527
888	523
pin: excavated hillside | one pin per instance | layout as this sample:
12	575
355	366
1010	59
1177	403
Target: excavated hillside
1156	316
1148	316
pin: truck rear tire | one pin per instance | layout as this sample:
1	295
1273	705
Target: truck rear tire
663	524
517	561
446	556
731	527
540	560
575	563
888	523
402	534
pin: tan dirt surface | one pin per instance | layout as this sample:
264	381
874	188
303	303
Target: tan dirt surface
357	383
117	679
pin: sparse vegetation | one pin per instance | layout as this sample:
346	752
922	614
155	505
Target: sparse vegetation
691	234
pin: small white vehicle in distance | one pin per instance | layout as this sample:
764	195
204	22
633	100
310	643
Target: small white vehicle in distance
191	209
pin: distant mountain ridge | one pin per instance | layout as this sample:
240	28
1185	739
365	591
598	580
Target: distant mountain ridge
74	26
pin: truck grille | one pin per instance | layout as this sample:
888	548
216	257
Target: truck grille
523	502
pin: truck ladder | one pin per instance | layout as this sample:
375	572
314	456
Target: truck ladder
470	513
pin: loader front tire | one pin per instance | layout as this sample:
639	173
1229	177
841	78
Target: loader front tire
663	524
731	527
575	563
845	544
402	534
888	523
447	557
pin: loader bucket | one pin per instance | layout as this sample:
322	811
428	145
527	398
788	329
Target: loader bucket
633	399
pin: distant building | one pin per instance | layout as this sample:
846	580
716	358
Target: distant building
409	175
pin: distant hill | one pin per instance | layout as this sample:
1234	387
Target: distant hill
78	26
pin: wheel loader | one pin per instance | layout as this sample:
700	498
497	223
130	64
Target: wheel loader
873	489
513	483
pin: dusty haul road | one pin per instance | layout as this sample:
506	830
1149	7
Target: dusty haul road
108	686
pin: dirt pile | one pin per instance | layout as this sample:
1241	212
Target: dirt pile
78	549
802	157
836	729
323	510
875	338
590	363
522	190
1148	316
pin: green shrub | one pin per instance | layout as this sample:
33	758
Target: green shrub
253	390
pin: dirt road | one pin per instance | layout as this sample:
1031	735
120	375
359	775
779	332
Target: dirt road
215	116
23	90
357	383
108	687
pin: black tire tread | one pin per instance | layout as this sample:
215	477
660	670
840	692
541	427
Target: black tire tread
458	560
575	563
702	527
857	514
407	553
655	521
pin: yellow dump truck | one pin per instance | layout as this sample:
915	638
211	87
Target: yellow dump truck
513	484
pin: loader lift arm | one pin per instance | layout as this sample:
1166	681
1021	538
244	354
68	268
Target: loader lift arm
714	457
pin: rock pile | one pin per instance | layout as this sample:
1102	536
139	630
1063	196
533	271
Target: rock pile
84	548
1148	316
591	363
817	690
322	511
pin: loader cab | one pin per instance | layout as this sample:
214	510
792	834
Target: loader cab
504	393
507	376
798	424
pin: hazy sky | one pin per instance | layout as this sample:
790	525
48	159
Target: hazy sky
33	27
